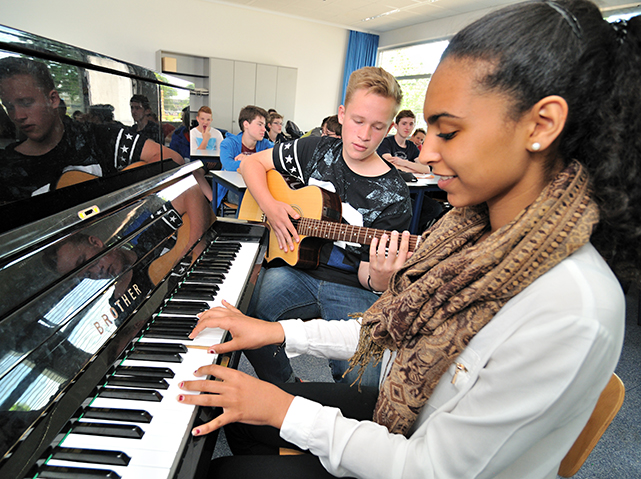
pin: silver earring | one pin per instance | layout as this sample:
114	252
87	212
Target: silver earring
536	146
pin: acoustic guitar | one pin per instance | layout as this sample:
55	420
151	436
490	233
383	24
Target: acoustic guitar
320	221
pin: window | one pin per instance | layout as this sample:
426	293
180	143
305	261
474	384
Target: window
413	67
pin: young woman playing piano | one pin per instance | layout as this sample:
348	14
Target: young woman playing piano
507	323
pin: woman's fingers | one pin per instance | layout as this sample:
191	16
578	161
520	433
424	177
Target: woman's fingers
242	397
246	332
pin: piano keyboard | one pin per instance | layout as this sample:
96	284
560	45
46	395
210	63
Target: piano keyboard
134	427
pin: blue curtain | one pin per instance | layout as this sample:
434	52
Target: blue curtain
361	52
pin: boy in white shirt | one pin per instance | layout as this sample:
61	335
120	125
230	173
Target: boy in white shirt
205	141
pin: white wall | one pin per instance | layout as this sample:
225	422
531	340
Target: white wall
133	30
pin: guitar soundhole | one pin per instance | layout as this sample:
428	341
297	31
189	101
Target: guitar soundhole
297	209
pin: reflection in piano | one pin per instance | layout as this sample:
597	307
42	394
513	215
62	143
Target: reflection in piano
100	284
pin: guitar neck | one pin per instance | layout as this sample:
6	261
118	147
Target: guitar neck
344	232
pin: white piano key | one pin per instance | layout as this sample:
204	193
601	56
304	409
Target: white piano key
160	435
155	455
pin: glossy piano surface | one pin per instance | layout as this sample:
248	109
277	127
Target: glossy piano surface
89	269
81	102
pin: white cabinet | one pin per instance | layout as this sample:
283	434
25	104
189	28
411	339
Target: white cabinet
221	99
233	84
244	92
266	85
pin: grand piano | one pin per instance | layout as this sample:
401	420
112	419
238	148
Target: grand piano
101	277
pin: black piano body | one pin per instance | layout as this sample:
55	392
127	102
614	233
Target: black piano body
88	269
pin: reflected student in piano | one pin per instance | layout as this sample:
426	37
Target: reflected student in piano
185	219
142	115
55	146
507	323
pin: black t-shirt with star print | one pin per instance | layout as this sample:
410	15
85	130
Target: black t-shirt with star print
96	149
381	202
389	145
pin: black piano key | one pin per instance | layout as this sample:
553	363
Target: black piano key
188	305
138	382
222	263
148	371
224	246
125	431
168	334
203	280
170	319
210	269
155	356
218	258
208	273
185	307
161	347
115	414
194	295
95	456
185	322
171	326
56	472
129	393
199	288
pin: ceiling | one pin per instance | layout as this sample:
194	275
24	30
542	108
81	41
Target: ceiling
378	16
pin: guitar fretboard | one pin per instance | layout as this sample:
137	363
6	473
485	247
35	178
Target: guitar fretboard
344	232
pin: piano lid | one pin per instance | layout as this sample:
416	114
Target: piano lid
69	115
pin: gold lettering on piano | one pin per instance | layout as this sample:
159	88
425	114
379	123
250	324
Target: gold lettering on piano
127	299
107	322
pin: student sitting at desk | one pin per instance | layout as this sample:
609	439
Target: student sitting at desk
398	149
205	140
252	120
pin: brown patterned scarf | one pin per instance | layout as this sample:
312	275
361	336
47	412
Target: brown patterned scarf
451	287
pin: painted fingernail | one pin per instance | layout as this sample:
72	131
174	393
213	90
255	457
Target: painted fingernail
181	384
181	398
211	351
196	432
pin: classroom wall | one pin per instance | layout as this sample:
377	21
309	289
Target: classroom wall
133	30
429	31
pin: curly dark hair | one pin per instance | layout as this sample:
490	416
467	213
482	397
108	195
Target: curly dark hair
566	48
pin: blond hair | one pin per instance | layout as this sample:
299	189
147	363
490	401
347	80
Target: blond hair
374	80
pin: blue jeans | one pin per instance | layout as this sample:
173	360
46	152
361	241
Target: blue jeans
286	293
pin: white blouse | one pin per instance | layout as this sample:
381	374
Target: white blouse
526	386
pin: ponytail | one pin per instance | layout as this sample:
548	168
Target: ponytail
566	48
